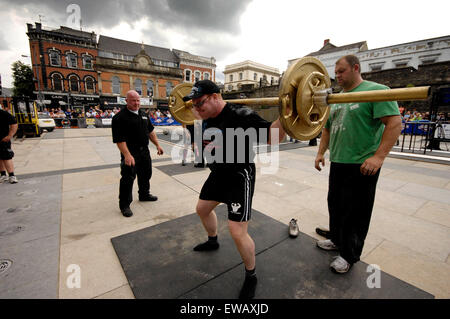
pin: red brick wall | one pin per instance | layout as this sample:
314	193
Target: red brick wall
63	69
196	68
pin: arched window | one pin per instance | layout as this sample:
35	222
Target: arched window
57	82
206	76
115	84
138	86
169	87
150	88
74	84
55	58
87	61
89	84
71	59
188	76
197	76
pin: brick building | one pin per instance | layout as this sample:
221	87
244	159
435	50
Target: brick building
195	67
63	66
123	65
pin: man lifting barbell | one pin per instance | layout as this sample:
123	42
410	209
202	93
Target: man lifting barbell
303	102
230	181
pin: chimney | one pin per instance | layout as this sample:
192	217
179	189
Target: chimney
326	41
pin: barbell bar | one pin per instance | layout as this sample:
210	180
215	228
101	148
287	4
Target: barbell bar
303	99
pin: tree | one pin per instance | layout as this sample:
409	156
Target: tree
22	79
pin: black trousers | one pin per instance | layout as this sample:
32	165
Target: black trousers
351	196
143	170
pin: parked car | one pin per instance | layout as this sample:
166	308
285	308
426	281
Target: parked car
46	122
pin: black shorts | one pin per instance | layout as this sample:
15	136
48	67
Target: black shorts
233	188
6	153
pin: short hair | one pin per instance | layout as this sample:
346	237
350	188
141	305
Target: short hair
352	60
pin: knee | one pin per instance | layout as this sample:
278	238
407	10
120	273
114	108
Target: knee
202	210
238	230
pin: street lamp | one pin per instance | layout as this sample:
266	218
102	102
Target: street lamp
39	97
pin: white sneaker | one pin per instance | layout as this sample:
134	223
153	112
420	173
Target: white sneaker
340	265
13	179
3	178
326	245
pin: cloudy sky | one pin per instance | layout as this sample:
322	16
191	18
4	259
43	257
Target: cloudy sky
270	32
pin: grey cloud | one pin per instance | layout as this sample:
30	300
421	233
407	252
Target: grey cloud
211	15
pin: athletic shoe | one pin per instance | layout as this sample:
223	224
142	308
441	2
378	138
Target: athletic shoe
249	288
326	245
293	228
323	232
340	265
148	198
3	178
207	246
13	179
127	212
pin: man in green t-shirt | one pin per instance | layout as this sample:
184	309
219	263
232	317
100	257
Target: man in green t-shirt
359	136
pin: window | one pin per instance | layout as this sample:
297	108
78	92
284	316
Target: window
55	58
231	77
89	84
169	87
230	87
57	82
197	76
206	76
115	85
240	76
74	83
255	76
87	62
138	86
71	59
150	88
188	76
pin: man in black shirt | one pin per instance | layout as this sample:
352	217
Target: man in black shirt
131	130
8	127
232	177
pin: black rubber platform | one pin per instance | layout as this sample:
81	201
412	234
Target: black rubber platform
159	262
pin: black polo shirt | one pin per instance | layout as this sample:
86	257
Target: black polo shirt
236	155
131	128
6	120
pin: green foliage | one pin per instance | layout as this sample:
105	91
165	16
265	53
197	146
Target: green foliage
22	79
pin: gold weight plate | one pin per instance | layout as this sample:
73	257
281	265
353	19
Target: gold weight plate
179	109
300	118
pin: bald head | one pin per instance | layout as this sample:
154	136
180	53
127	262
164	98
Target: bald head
133	100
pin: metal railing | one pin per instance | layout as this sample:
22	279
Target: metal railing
424	136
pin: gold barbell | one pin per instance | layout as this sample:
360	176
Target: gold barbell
303	99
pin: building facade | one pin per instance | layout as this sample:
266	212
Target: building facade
195	67
123	65
249	74
74	70
63	66
411	54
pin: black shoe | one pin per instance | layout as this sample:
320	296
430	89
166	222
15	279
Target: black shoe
148	198
293	228
127	212
207	246
249	288
323	232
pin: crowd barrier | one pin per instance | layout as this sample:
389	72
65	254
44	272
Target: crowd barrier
91	122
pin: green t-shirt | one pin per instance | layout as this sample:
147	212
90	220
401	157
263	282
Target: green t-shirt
356	128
